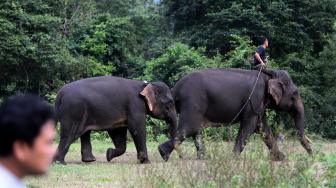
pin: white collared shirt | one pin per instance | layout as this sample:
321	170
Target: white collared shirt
9	180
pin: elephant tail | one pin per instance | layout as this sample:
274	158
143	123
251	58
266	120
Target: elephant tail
58	103
176	100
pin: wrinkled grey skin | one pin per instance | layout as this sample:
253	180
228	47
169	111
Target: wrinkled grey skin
113	104
217	95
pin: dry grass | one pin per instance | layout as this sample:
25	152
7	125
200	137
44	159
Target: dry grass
221	169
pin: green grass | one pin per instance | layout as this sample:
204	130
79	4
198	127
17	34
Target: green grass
221	169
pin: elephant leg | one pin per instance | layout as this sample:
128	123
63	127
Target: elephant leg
247	127
199	146
270	142
189	125
137	127
68	136
166	148
62	150
86	148
118	137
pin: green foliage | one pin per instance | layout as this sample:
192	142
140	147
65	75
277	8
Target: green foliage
101	136
302	41
29	46
221	133
157	130
109	42
46	44
242	53
330	162
178	60
316	78
290	25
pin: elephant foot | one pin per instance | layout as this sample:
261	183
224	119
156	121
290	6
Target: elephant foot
165	149
309	151
112	153
163	152
277	156
62	162
144	161
88	159
59	160
109	154
143	158
200	155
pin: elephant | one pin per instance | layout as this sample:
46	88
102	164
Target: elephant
112	104
218	95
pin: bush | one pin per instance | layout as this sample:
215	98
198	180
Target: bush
157	130
177	61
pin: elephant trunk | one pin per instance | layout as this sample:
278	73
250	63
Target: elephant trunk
172	122
167	147
175	136
300	123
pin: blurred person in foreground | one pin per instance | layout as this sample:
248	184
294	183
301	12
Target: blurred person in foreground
27	134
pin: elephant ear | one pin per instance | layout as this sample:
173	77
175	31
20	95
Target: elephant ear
275	89
149	93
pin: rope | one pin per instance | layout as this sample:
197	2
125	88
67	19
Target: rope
249	98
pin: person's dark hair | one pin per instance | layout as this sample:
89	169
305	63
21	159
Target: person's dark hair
262	40
21	118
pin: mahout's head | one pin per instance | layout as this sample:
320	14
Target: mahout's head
264	42
27	132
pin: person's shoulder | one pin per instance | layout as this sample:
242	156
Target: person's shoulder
261	49
10	183
8	180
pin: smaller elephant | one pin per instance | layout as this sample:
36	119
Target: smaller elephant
112	104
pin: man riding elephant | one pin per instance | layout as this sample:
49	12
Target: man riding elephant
218	95
259	58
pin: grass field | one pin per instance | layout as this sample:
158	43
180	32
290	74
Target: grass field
221	169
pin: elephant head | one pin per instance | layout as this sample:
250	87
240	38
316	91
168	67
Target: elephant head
161	103
285	96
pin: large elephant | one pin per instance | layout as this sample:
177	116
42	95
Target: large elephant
217	95
113	104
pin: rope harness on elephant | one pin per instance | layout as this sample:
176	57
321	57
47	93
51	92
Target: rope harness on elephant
249	98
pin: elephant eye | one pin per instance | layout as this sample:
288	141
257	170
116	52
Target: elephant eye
295	93
169	103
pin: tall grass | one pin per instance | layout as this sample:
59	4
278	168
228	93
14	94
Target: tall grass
220	168
253	168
